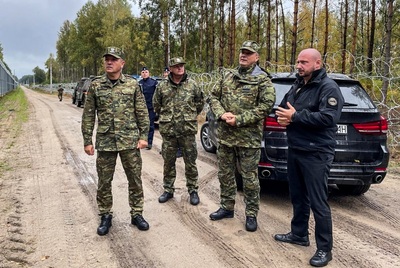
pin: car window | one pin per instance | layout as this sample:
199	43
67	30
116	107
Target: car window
354	95
280	90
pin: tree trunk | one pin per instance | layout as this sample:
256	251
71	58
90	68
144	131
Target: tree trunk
372	36
276	34
294	34
354	43
165	21
250	19
221	34
313	24
388	44
201	29
284	42
344	44
232	34
326	35
211	37
268	37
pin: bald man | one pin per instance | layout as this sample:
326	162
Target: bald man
310	112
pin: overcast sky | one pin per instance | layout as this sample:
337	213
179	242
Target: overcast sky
29	30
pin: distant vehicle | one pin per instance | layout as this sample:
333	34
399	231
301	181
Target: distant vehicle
136	76
80	91
361	153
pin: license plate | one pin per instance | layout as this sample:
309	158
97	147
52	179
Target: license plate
342	129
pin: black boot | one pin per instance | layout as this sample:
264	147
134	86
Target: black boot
165	197
251	223
194	198
220	214
105	224
140	222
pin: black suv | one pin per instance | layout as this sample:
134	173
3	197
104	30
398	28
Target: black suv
361	154
80	91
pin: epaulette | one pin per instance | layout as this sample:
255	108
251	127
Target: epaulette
96	77
235	72
127	76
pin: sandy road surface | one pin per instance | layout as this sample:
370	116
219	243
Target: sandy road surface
49	216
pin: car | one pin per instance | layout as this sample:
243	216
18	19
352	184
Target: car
361	153
136	76
80	91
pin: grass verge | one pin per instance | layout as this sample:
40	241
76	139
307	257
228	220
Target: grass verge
13	113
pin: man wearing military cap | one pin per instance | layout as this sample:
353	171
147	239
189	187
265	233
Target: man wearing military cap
115	52
122	129
178	100
240	102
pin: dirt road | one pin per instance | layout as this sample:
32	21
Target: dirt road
49	214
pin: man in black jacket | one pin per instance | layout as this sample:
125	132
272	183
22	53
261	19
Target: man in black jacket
310	111
148	86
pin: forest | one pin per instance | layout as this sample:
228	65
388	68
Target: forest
360	37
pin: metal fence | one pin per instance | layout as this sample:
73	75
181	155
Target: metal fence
7	80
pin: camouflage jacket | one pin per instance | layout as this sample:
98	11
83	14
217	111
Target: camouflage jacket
248	94
121	114
178	106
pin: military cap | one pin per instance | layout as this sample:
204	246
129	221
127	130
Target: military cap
115	52
251	46
166	69
176	61
145	69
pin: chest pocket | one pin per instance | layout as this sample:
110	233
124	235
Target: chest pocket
103	98
127	98
249	92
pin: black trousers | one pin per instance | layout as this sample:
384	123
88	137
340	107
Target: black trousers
308	183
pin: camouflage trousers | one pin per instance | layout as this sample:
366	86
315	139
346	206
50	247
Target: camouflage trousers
247	159
132	164
188	147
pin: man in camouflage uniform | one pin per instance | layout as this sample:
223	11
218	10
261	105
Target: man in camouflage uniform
123	125
60	92
241	102
178	100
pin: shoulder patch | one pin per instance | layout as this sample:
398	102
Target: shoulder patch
332	101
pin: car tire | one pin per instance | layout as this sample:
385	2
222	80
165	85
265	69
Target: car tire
205	139
353	189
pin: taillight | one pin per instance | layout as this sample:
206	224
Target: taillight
264	164
373	128
270	124
381	169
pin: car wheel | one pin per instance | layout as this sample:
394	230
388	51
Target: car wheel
205	139
353	189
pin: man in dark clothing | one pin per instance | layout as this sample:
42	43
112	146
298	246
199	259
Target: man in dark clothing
166	72
310	112
148	86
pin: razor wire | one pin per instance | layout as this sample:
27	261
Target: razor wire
388	105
